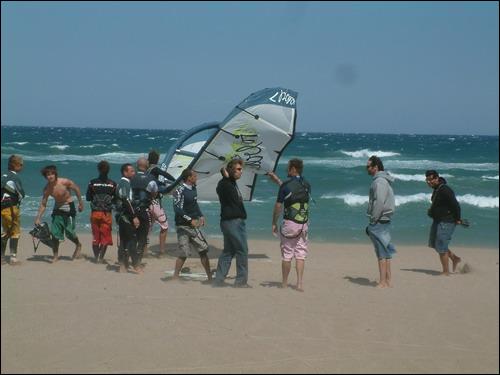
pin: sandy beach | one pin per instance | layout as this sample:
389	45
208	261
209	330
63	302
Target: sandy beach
78	316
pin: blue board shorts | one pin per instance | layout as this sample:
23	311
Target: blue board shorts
440	236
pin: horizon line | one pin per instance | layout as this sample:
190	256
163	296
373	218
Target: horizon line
296	132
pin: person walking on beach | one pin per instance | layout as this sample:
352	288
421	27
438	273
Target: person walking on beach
381	206
125	217
144	190
158	214
101	193
232	224
64	212
188	220
445	213
12	194
294	194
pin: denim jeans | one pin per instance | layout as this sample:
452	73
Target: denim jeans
440	235
235	245
381	237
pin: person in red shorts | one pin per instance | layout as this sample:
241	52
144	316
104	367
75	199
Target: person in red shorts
101	193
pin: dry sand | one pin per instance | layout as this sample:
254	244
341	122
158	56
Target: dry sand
77	316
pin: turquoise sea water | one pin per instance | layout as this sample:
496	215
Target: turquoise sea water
334	163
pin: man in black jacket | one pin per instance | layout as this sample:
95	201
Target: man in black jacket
445	212
233	216
188	220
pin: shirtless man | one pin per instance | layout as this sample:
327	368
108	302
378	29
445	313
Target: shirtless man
63	215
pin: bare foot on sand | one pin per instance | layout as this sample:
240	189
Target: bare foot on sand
55	258
78	250
444	274
137	270
455	261
300	288
381	285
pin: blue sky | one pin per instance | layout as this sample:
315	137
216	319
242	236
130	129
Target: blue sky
377	67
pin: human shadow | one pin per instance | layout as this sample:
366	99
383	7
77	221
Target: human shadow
271	284
427	272
361	281
172	251
47	258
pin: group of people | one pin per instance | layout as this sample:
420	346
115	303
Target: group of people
137	202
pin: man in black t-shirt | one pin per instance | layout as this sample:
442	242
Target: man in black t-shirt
233	216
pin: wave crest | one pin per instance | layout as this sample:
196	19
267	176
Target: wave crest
366	153
470	199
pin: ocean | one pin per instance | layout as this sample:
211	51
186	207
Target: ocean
334	164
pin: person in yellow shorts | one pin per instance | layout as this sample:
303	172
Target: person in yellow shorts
12	194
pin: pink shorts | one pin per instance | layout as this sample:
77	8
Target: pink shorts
293	240
158	214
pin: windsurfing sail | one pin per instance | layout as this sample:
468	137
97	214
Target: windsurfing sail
256	131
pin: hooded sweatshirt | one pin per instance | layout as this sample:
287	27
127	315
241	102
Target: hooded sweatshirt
445	206
381	204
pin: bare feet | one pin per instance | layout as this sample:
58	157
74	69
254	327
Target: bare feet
123	269
444	274
55	259
138	270
284	285
381	285
300	288
455	261
78	250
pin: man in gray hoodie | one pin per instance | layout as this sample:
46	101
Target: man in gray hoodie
381	206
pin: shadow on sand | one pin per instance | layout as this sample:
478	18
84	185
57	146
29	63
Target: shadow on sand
361	281
427	272
48	258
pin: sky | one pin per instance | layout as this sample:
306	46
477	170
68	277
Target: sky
358	67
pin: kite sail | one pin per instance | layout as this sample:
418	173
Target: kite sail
256	131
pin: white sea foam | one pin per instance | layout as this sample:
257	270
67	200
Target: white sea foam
94	145
490	177
112	157
366	153
473	200
420	165
17	143
414	177
60	147
479	201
